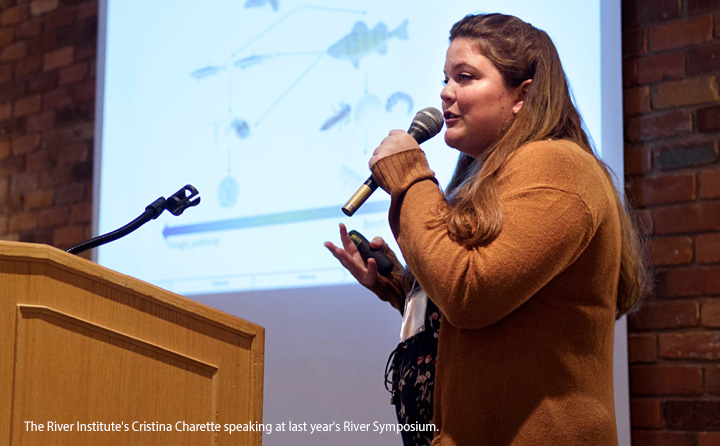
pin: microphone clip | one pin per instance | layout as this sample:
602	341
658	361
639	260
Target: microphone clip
176	204
180	200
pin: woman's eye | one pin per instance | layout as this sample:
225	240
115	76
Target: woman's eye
445	82
464	77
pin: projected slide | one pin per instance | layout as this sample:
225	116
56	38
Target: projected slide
271	109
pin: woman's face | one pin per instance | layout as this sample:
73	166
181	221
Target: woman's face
476	103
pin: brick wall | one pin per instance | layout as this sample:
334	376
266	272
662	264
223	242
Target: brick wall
671	51
47	96
671	77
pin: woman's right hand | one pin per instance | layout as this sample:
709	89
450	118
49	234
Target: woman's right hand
350	258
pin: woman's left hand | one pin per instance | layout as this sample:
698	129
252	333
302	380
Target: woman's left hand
397	141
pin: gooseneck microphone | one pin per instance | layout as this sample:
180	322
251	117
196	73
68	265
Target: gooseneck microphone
426	124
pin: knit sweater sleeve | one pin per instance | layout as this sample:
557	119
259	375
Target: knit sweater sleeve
545	228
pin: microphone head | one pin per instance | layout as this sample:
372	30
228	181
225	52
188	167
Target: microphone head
427	123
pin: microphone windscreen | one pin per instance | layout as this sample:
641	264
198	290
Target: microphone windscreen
427	123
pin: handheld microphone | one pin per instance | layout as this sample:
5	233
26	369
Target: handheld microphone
426	124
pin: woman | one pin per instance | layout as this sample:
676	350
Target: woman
529	255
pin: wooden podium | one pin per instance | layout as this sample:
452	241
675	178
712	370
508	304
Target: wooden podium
89	356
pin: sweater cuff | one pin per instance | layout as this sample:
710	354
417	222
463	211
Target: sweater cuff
397	172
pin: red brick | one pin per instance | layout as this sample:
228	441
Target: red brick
11	165
696	345
22	221
642	12
42	82
635	42
66	237
636	101
708	119
81	213
6	74
59	58
5	111
642	347
712	379
4	149
654	68
700	6
666	380
61	18
87	10
27	105
7	35
84	91
703	59
687	282
82	131
57	177
25	144
54	217
650	191
57	99
28	66
707	248
646	413
708	439
646	224
696	217
39	160
681	33
685	92
38	199
29	28
14	15
711	314
667	315
661	438
73	153
686	154
671	251
39	7
23	183
659	125
692	415
73	74
40	122
72	193
14	51
638	160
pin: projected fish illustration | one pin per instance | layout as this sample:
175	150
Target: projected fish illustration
241	128
249	61
338	117
228	192
204	72
396	97
259	3
362	41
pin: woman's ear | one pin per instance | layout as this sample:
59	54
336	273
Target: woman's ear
522	90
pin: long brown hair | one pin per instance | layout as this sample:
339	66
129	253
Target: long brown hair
520	51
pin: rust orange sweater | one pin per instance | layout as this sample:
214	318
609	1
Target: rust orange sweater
526	344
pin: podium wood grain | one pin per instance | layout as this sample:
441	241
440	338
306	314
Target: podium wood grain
80	343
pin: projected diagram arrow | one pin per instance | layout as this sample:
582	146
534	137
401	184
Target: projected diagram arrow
270	219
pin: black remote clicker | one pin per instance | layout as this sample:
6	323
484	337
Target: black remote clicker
384	264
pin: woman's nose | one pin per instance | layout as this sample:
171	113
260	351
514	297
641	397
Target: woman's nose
446	93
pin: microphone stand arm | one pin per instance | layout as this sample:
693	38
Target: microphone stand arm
176	204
